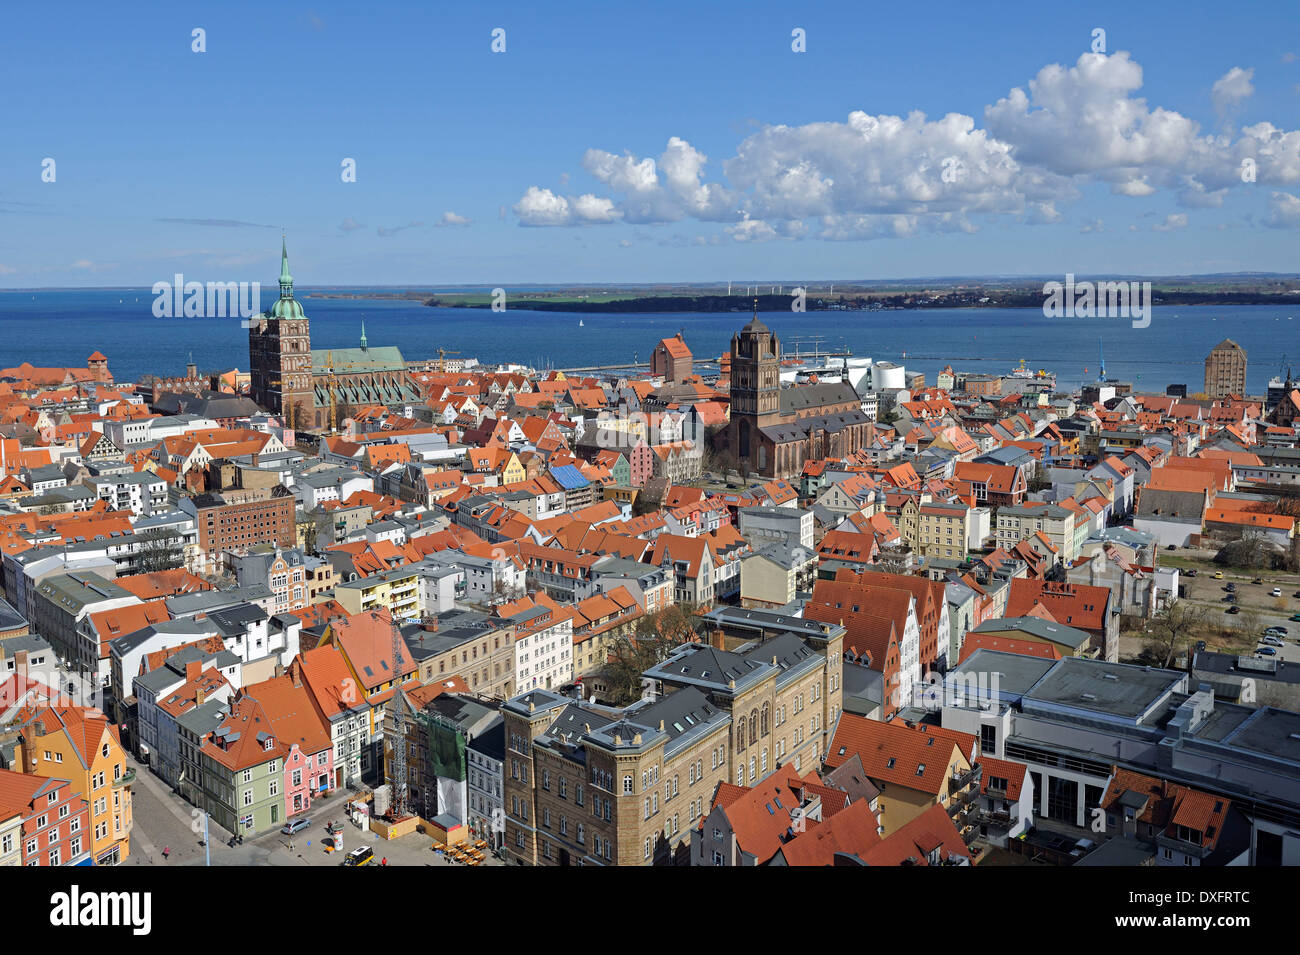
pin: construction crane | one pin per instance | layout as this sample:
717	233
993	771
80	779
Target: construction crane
331	383
442	363
398	770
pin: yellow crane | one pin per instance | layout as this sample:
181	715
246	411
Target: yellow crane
331	382
442	360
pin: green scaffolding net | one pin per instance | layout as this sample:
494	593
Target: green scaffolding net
447	749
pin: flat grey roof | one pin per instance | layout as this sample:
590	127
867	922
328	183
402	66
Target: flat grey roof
1017	673
1116	689
1270	731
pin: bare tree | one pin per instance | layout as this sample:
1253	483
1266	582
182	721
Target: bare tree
655	636
160	549
1246	624
1173	627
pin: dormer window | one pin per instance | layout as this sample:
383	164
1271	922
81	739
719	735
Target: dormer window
268	745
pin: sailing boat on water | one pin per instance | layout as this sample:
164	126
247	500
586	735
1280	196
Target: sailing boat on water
580	323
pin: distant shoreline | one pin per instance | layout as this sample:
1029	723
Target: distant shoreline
706	304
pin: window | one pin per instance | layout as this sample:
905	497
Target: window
647	847
248	797
627	784
988	738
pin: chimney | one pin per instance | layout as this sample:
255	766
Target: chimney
192	670
200	696
295	671
717	639
430	625
279	669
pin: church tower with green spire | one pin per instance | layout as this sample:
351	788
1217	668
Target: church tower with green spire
279	355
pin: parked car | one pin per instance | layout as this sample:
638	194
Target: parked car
1294	618
1276	631
359	856
1265	652
1234	609
1218	575
295	826
1192	573
1272	641
1230	587
1258	580
1276	592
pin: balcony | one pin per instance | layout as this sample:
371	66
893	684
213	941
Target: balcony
962	804
125	779
959	781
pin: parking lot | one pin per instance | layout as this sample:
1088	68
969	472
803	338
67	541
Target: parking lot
1204	589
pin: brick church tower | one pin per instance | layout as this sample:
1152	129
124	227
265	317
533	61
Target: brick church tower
755	386
279	356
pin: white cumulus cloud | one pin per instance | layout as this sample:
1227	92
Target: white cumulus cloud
1072	128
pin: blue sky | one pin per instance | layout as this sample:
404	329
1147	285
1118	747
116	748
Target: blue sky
578	155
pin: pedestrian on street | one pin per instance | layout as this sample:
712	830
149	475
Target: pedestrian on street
384	861
167	850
